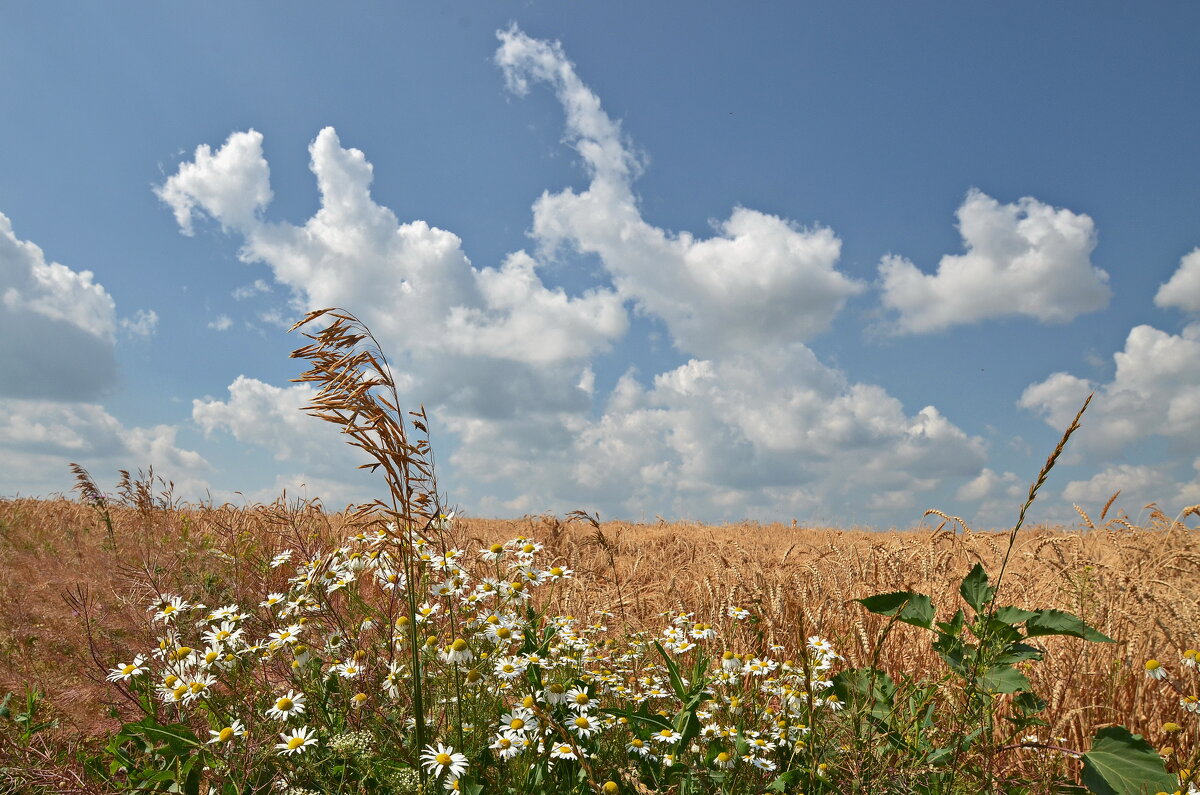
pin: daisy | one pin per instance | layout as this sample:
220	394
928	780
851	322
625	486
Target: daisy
723	760
1154	670
272	600
296	741
347	670
639	747
287	706
493	553
235	729
457	652
737	612
578	699
584	725
517	721
507	745
563	751
509	667
437	761
123	673
281	558
665	736
1190	658
169	607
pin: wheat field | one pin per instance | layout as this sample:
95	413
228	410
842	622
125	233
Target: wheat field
72	596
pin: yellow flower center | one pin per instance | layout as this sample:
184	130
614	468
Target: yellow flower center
496	549
211	657
284	704
295	743
516	724
459	645
183	651
504	633
226	734
179	692
223	634
444	759
196	687
582	722
129	669
611	788
582	698
723	757
1153	665
528	549
170	680
636	743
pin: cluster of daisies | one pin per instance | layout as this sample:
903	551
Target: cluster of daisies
498	675
1187	688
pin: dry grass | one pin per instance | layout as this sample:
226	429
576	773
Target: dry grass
1137	584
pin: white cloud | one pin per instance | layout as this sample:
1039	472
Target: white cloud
221	323
256	287
1025	258
38	439
1182	290
59	325
761	280
752	425
232	186
1154	392
143	323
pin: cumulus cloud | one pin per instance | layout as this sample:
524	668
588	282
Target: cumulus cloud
1025	258
39	438
762	279
1154	392
1182	290
753	424
221	323
59	325
231	186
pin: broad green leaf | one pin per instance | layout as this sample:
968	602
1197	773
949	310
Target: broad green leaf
911	608
1121	763
975	590
1057	622
1003	679
953	626
1014	615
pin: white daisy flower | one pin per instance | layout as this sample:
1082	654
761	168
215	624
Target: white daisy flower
287	706
295	741
437	761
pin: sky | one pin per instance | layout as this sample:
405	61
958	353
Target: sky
705	261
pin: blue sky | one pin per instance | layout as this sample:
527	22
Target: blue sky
708	261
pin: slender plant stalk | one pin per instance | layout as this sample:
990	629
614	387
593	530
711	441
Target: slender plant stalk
358	393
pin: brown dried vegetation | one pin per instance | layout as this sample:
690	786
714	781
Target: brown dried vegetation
74	600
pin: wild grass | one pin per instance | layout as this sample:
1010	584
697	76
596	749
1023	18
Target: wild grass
79	575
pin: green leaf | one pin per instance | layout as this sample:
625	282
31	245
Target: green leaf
1057	622
785	780
975	589
1014	615
1121	763
911	608
1003	679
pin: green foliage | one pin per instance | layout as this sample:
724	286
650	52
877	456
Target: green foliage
1121	763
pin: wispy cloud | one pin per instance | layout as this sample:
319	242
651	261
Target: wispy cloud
753	424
